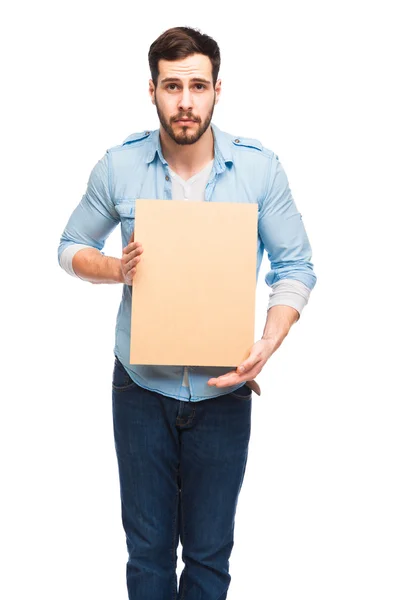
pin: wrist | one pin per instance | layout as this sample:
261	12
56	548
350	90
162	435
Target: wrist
110	270
119	278
273	341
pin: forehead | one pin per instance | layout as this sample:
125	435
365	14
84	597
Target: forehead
196	65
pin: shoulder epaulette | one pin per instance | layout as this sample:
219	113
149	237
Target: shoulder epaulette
136	137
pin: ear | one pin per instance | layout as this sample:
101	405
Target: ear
217	90
152	90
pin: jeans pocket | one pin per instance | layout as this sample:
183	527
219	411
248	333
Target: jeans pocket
121	379
242	393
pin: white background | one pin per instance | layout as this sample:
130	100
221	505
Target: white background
316	82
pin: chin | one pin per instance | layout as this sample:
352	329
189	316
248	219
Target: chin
185	141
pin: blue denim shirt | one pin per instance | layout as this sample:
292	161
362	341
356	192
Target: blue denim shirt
243	171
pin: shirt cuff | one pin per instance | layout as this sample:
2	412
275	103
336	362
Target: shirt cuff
67	256
289	292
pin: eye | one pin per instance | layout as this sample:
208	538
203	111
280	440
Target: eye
200	86
171	85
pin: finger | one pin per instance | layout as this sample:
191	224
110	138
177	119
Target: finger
129	276
221	382
132	246
225	382
228	379
248	364
132	269
132	238
132	263
233	377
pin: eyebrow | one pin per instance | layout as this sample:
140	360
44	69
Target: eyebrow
175	79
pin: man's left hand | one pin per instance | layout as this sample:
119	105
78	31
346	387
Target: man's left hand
252	366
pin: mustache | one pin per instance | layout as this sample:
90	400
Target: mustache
188	116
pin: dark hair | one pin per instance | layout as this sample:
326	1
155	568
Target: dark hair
180	42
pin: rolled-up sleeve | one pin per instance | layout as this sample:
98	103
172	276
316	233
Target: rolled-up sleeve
95	217
282	232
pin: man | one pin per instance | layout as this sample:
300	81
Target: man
182	433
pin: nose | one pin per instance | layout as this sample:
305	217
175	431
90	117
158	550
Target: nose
185	101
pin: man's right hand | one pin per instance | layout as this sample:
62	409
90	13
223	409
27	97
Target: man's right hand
130	258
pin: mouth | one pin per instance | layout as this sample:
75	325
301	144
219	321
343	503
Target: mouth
185	121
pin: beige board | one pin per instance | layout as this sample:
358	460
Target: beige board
194	291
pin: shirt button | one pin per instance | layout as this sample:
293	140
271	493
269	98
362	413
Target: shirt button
147	132
166	178
237	141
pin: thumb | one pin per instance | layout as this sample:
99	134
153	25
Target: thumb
247	364
132	238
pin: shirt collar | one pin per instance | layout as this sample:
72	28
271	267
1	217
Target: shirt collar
222	149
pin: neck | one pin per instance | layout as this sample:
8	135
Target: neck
187	159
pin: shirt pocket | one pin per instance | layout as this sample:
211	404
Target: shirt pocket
126	210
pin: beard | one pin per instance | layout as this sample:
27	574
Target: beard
184	137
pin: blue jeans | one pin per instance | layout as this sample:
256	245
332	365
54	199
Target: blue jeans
181	467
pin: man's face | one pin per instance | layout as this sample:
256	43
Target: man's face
185	97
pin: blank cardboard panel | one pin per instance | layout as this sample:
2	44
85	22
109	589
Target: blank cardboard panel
194	291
